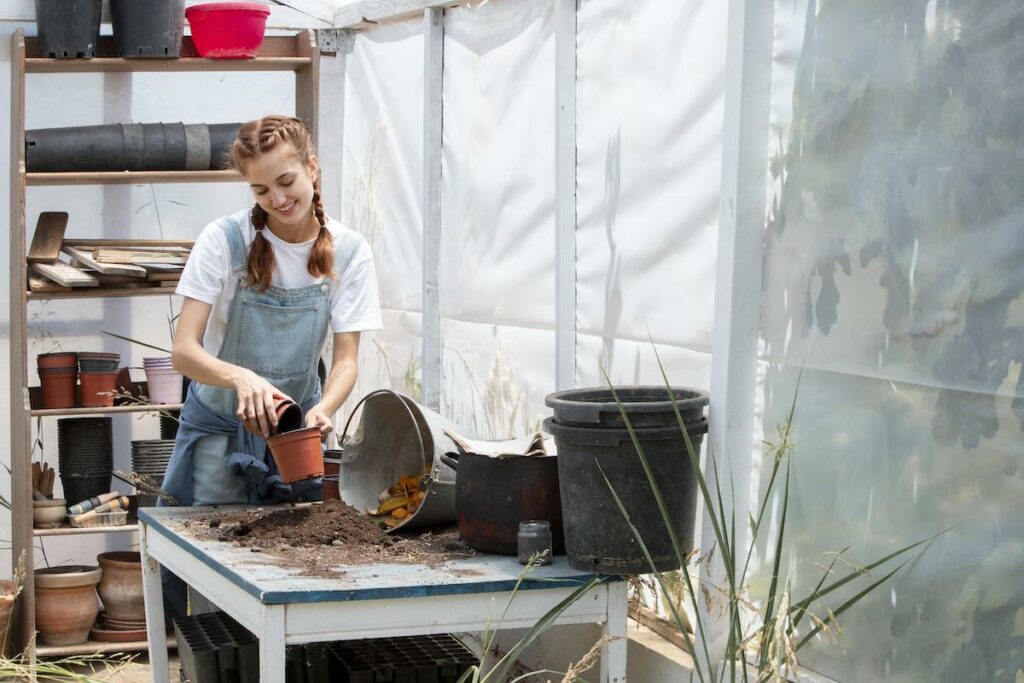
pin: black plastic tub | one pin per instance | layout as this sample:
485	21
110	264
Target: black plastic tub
646	406
68	29
597	536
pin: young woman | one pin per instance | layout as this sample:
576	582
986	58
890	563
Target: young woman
261	289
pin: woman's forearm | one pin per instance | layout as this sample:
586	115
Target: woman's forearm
339	384
193	361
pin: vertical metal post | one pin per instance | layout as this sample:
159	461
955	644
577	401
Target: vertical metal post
738	278
433	67
565	194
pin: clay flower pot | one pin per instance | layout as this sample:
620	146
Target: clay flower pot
48	514
121	585
332	466
60	387
98	389
297	454
63	359
7	596
66	603
289	417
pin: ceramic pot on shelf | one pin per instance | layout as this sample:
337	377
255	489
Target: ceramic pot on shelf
120	587
66	603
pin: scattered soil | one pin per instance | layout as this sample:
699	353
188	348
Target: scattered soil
321	539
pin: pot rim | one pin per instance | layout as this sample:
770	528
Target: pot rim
120	559
294	435
68	576
49	503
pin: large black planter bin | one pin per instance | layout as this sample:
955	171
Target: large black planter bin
68	29
597	536
148	28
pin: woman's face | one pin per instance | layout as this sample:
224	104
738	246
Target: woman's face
283	185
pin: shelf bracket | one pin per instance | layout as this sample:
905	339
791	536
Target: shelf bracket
331	41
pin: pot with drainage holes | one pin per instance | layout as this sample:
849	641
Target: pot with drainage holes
68	29
297	454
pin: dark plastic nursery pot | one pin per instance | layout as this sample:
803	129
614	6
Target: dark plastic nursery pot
148	28
68	29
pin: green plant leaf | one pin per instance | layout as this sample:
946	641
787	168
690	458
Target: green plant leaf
135	341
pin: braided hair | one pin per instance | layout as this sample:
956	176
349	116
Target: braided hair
255	138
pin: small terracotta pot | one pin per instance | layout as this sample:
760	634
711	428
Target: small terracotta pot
59	388
332	461
63	359
297	454
330	487
95	385
6	614
121	585
66	603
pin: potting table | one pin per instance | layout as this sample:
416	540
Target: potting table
282	607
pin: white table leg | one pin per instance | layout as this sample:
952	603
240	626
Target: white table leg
272	662
156	631
613	659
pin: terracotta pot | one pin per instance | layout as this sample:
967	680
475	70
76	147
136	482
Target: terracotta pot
121	585
66	603
63	359
59	388
94	385
6	615
332	465
297	454
289	417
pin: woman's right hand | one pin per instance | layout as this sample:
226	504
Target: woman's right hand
256	399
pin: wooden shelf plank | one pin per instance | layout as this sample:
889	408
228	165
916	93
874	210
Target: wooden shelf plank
100	293
277	53
96	647
193	64
62	412
75	531
130	177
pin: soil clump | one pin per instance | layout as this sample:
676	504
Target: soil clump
322	539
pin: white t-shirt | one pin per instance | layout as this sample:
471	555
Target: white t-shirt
355	302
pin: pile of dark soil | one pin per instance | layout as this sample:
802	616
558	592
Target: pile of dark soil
323	539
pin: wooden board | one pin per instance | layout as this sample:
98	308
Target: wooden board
42	285
136	257
65	275
130	244
108	268
48	237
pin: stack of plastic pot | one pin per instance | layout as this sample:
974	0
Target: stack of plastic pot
98	375
163	380
130	147
85	455
58	375
148	28
594	443
150	458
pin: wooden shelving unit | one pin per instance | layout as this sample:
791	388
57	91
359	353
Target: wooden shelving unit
297	54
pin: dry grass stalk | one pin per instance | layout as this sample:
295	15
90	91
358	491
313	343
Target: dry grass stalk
588	660
147	485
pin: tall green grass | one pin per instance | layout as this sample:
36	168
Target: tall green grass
766	649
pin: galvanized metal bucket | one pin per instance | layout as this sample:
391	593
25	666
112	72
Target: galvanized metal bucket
397	437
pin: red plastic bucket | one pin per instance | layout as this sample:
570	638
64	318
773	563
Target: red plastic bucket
227	30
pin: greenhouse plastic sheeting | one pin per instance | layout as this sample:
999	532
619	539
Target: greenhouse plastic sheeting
382	194
893	281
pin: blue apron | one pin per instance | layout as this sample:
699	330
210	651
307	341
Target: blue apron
278	334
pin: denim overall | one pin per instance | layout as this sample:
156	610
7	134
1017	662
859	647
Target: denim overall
278	334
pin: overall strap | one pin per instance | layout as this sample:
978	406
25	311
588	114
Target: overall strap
232	229
345	251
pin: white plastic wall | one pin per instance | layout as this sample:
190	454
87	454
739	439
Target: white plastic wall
893	282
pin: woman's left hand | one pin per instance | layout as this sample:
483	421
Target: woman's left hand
318	417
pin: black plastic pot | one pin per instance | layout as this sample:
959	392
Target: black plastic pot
129	147
68	29
148	28
646	406
597	536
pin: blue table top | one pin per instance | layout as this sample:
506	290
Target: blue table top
262	577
